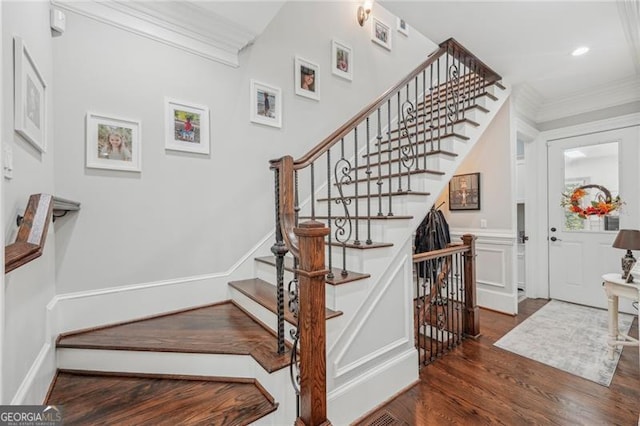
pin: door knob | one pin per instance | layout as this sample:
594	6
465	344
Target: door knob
553	229
555	239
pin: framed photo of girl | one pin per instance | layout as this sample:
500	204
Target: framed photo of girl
381	33
306	77
186	127
30	98
113	143
266	104
341	60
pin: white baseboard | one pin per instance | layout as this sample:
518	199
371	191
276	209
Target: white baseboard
348	402
35	385
496	301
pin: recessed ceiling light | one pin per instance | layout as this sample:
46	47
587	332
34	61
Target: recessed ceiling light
580	51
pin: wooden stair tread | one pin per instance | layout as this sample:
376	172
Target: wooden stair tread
428	128
384	177
393	194
265	294
337	279
106	398
374	166
383	217
422	142
223	328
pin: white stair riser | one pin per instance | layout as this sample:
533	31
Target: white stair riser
268	274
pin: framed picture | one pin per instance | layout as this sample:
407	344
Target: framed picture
403	28
186	127
381	33
341	60
266	104
113	143
464	192
306	77
30	99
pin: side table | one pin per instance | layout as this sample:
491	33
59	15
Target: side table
614	287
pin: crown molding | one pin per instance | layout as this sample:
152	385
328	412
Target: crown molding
190	28
605	96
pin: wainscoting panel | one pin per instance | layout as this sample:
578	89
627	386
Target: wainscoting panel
496	268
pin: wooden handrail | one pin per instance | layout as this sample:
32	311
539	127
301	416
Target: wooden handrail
32	232
434	254
334	137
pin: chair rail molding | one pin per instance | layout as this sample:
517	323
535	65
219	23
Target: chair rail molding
187	25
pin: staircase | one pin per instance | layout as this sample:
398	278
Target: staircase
378	175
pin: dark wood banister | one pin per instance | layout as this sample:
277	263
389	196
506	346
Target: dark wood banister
32	232
333	138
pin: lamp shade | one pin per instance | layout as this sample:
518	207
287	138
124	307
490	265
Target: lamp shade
628	239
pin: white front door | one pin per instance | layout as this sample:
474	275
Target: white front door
580	250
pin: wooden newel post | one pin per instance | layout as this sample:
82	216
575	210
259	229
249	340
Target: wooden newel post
312	324
472	312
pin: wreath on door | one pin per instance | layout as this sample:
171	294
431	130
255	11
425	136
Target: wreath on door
602	205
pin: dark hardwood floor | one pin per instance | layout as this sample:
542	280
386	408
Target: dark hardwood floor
478	383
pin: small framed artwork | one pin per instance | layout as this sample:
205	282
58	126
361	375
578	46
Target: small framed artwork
403	28
30	97
306	78
464	192
113	143
186	127
266	104
341	60
381	33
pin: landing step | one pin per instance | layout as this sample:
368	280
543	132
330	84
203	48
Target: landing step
222	328
91	398
265	294
337	279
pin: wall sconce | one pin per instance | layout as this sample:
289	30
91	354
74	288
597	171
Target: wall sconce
364	11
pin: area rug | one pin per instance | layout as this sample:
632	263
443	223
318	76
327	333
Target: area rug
572	338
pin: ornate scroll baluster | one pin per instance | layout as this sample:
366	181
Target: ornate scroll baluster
407	153
342	175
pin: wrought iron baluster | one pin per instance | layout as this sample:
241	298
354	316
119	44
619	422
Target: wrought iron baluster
313	192
279	249
355	168
416	100
438	106
379	181
399	135
342	174
294	307
368	242
390	156
424	116
447	83
431	133
408	155
329	246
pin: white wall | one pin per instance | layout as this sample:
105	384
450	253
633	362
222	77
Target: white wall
28	289
187	214
494	157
